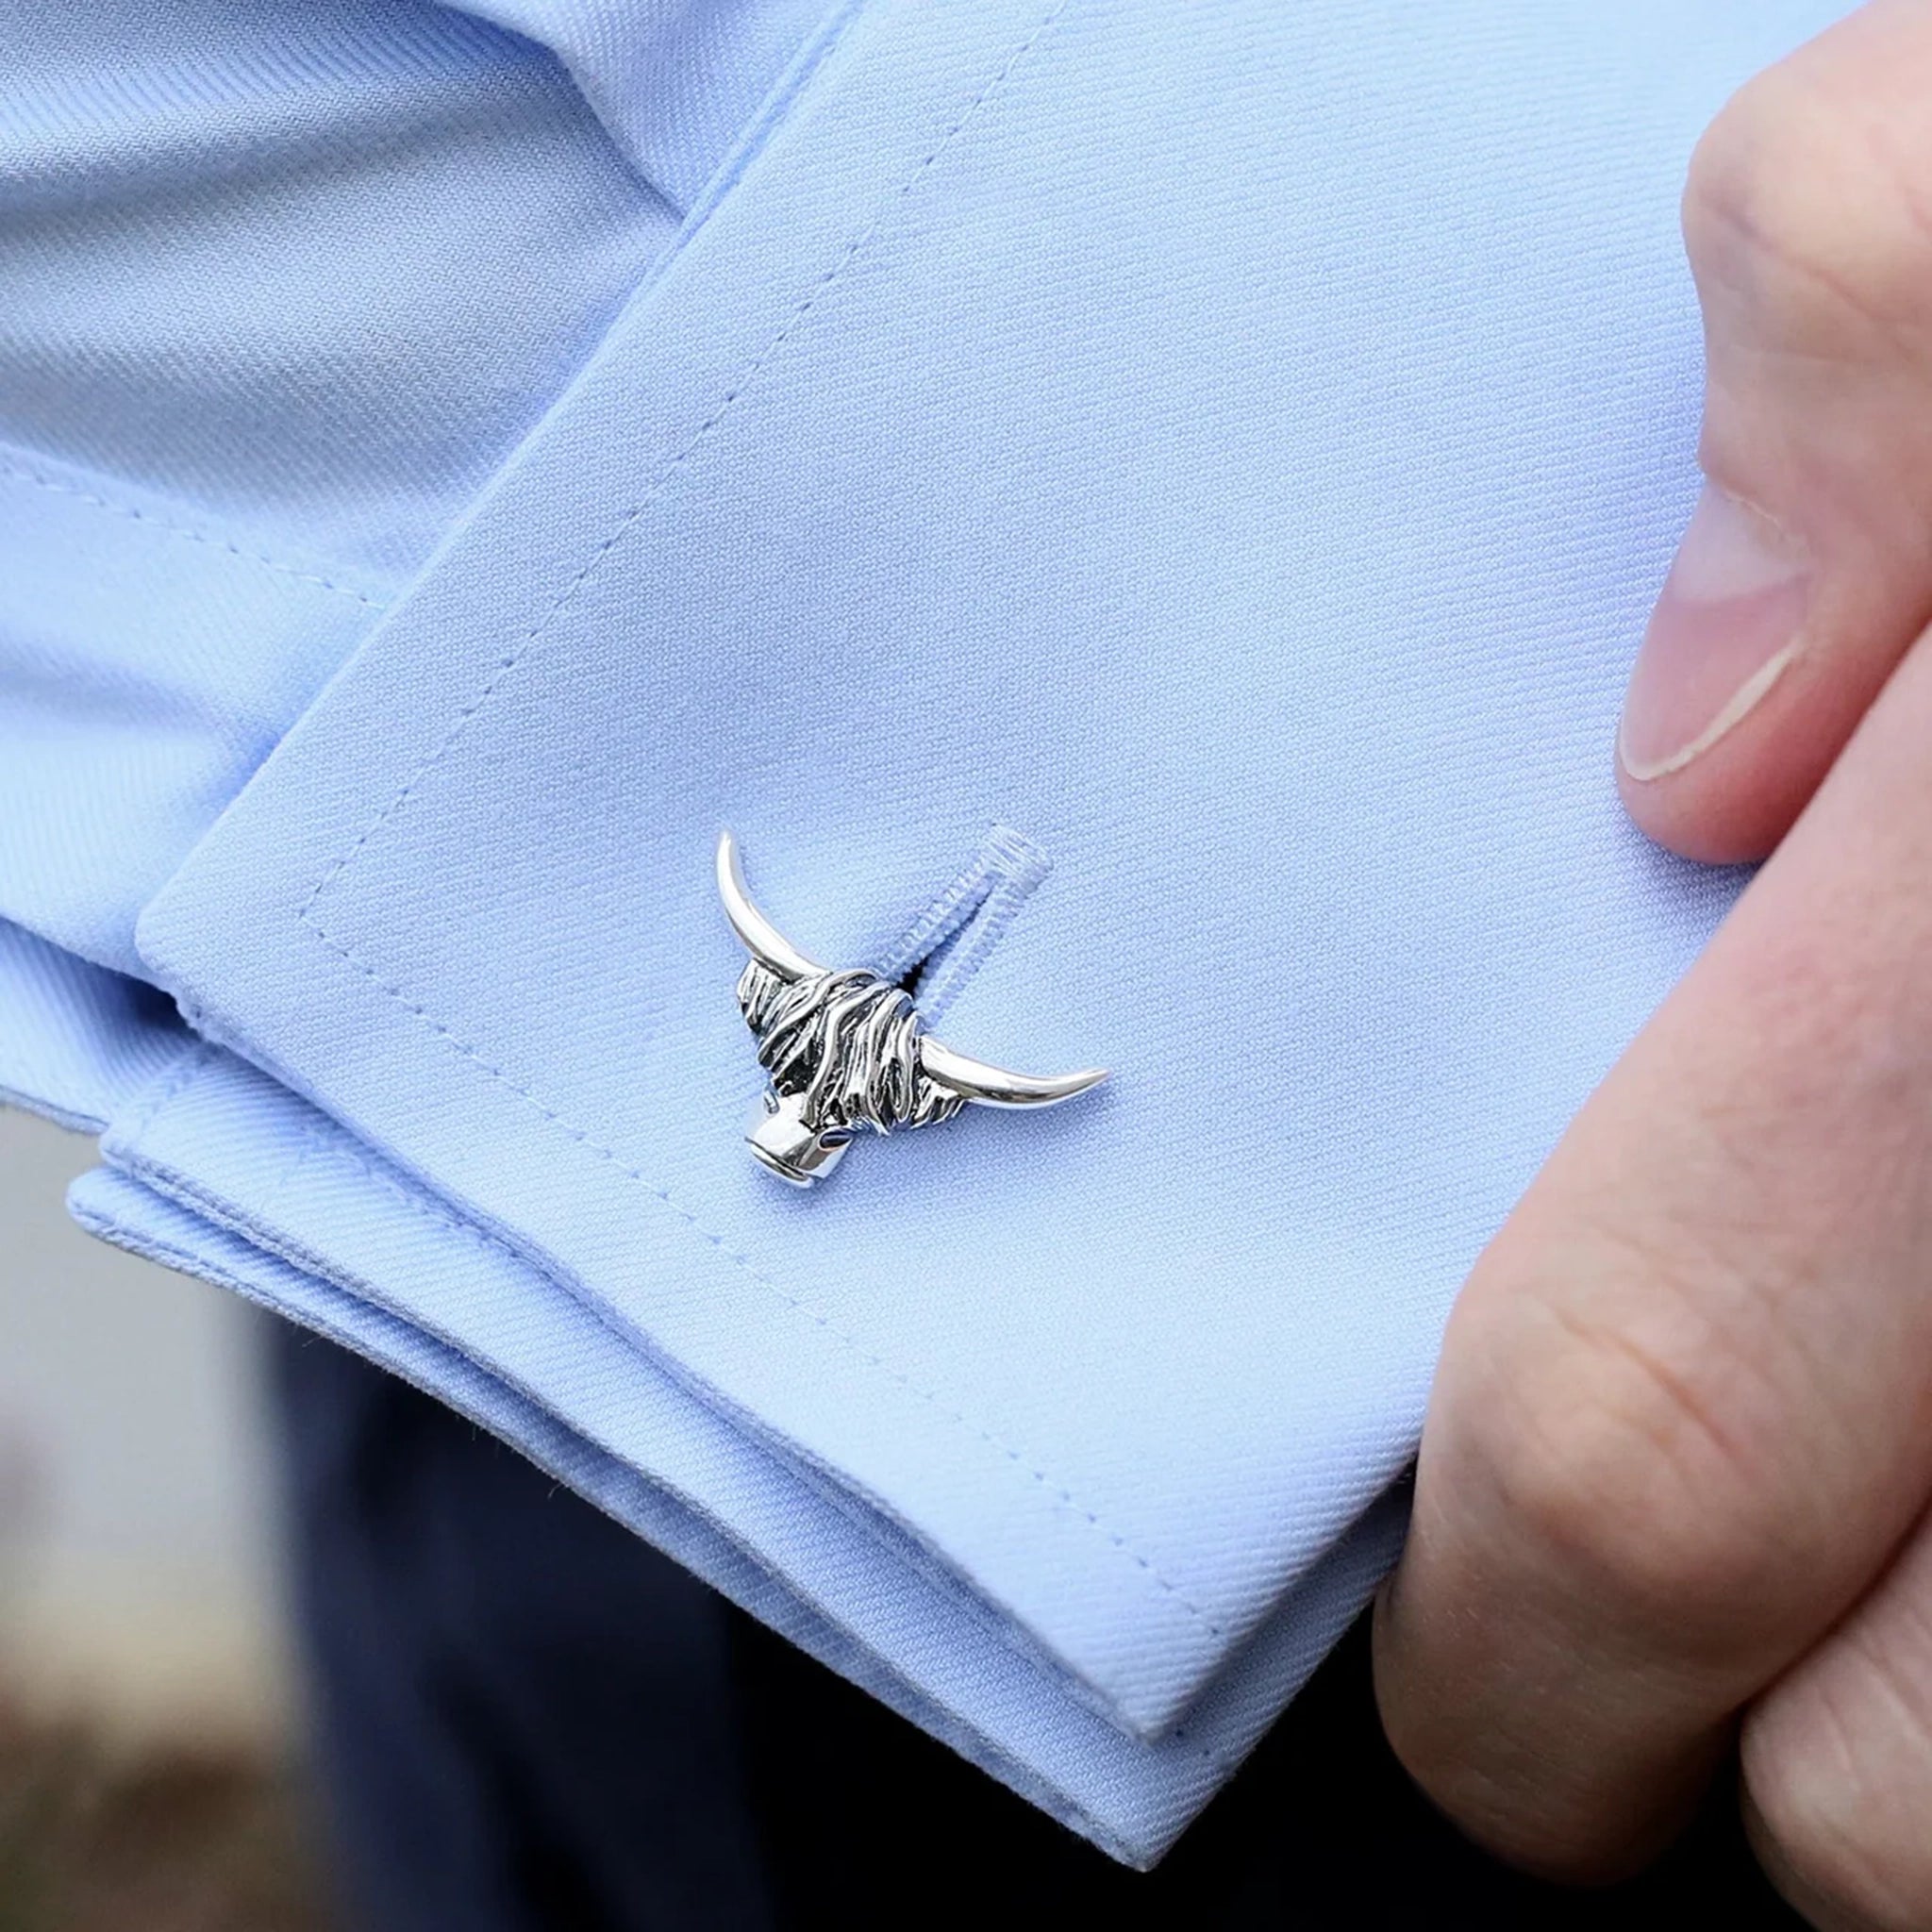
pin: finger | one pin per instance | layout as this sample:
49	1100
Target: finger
1807	568
1838	1762
1684	1410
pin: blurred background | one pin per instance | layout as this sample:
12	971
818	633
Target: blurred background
149	1774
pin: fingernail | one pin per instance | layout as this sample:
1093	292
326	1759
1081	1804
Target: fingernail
1724	630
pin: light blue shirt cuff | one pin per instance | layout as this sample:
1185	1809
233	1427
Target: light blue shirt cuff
221	1171
1247	494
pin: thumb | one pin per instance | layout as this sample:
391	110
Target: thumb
1806	567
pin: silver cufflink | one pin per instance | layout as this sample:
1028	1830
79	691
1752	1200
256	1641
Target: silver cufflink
846	1050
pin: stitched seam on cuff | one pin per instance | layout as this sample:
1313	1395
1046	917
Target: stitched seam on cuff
33	479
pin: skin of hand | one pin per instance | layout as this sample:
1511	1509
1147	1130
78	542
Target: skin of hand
1674	1494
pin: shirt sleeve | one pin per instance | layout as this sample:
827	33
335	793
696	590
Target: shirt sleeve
77	1041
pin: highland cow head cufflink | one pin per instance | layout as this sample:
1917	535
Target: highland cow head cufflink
845	1049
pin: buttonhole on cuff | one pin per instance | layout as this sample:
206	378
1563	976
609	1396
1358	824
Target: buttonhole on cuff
945	945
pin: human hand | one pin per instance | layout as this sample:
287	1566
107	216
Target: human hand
1675	1483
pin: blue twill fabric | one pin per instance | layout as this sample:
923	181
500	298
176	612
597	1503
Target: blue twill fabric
1137	513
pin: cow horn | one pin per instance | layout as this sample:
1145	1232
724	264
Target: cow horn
761	938
996	1087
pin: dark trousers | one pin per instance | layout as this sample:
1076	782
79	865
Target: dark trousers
527	1720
